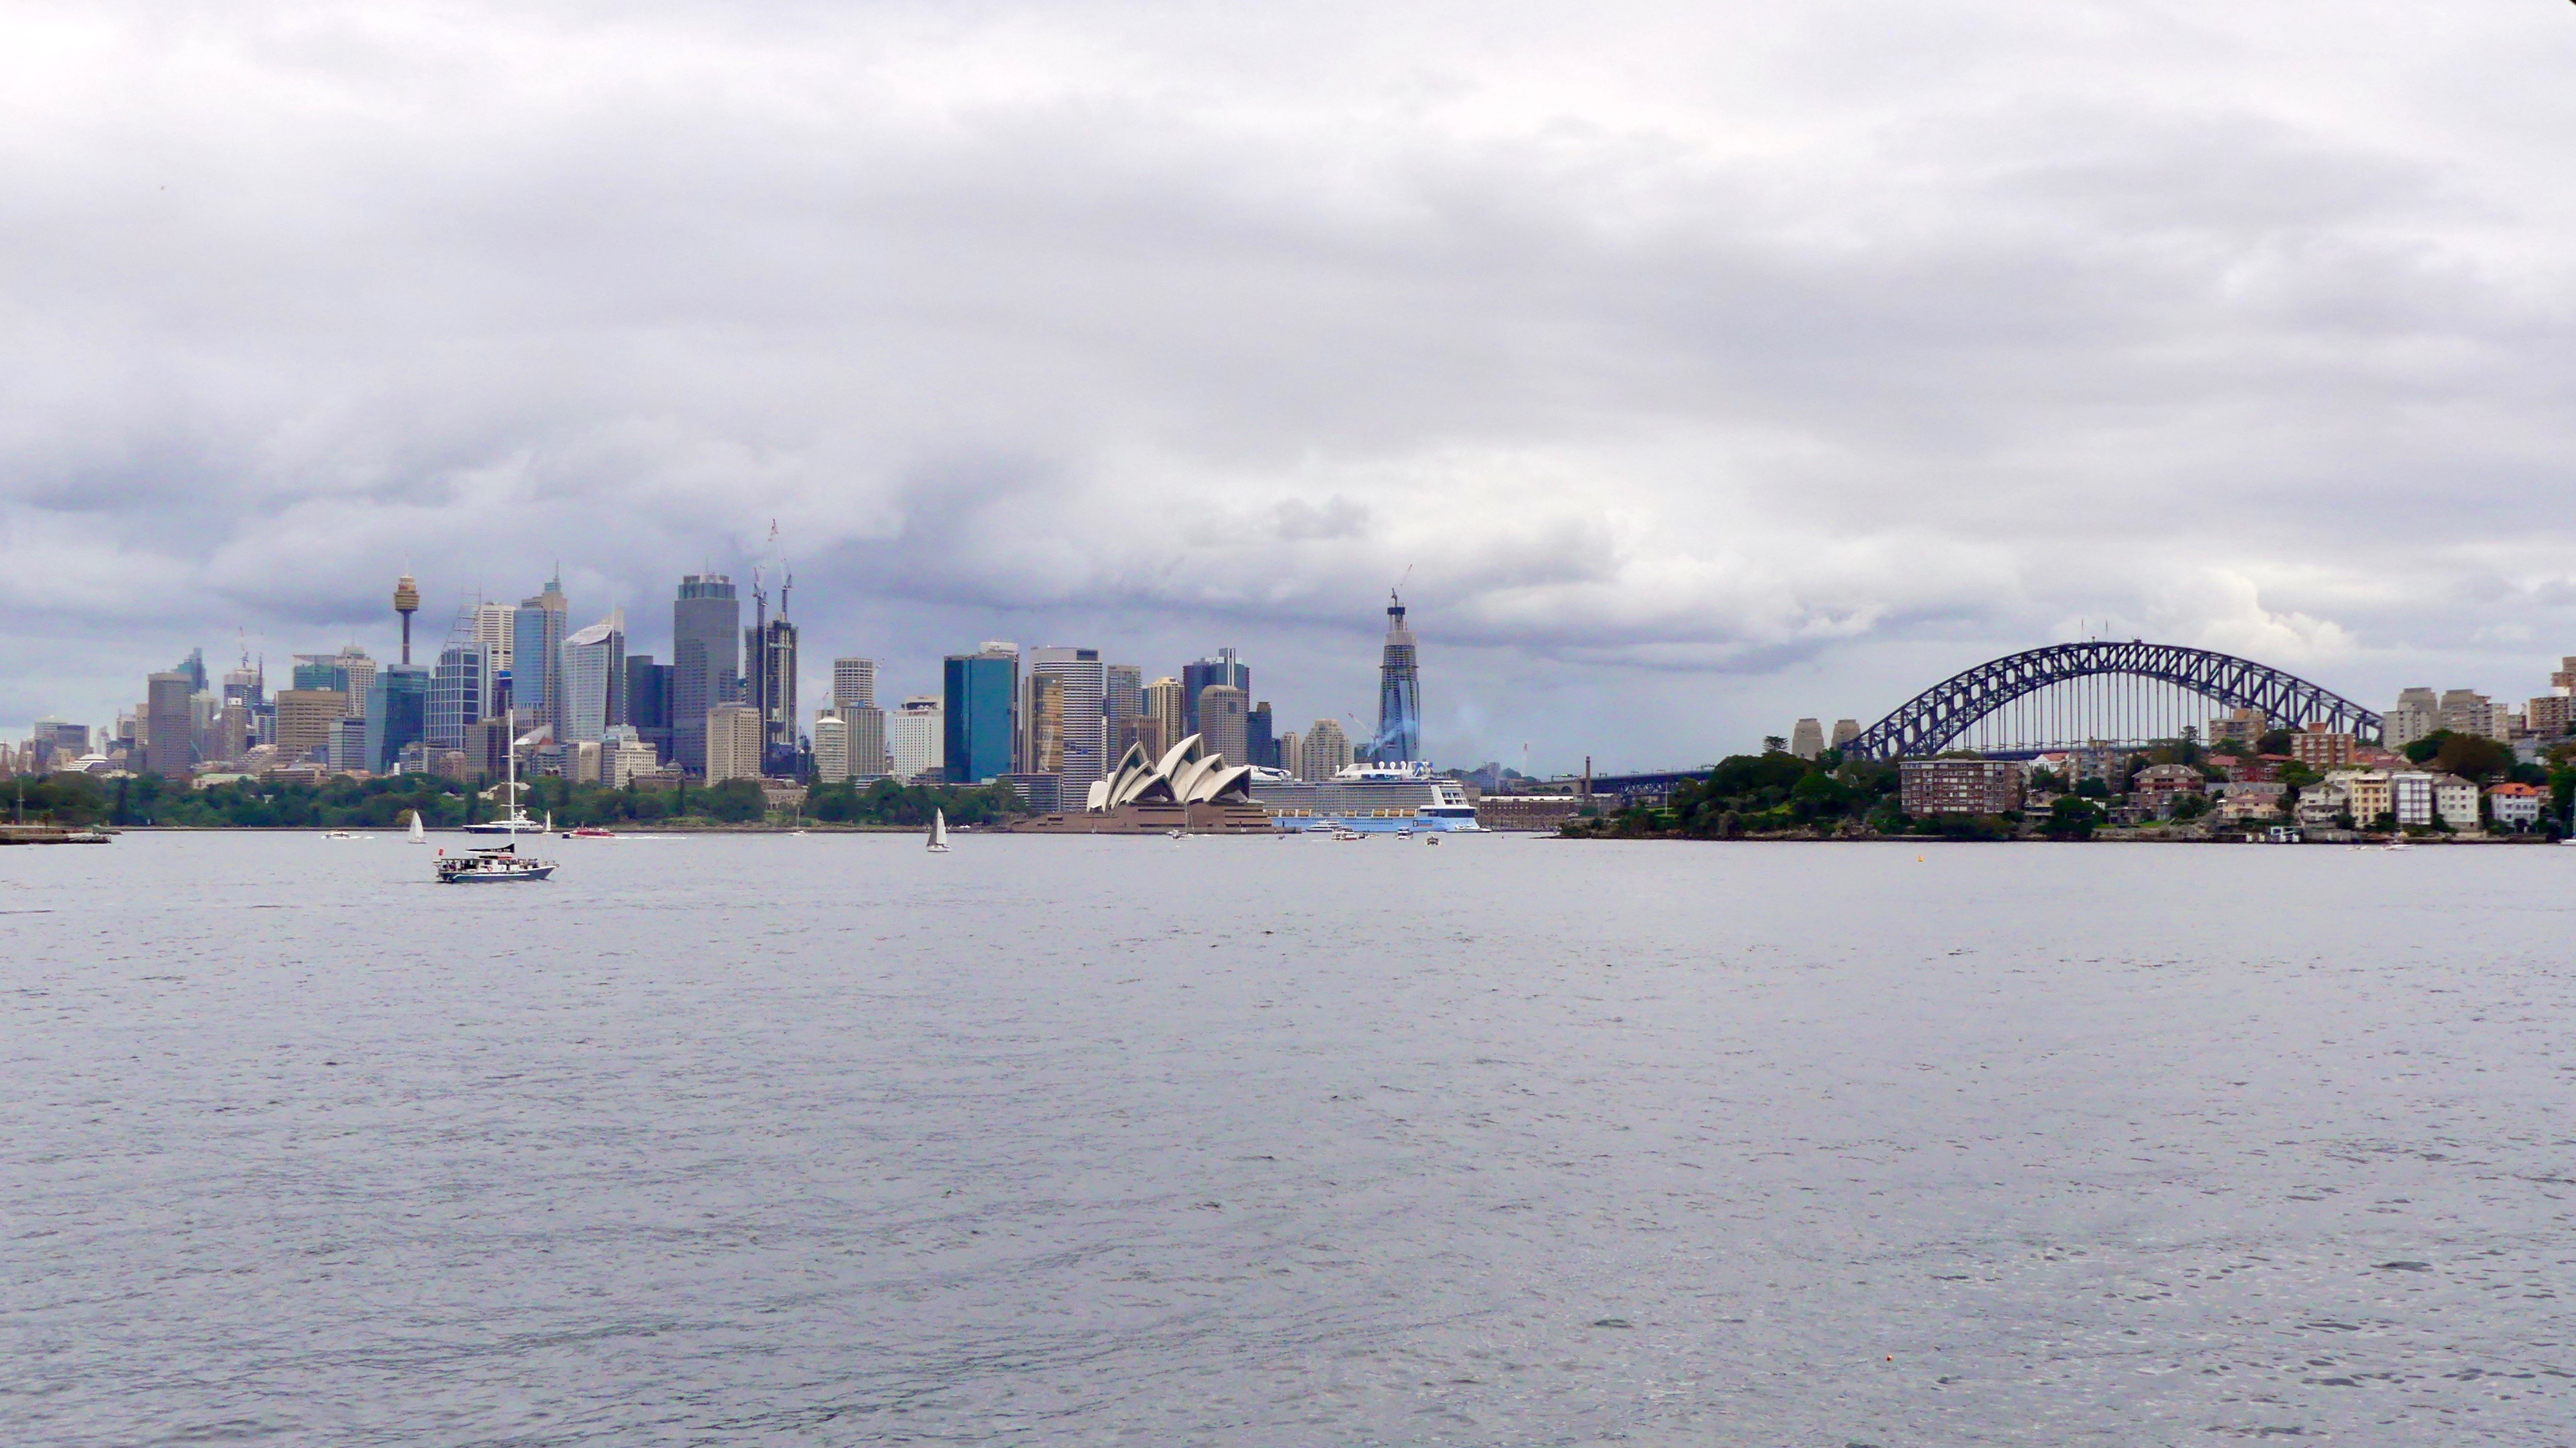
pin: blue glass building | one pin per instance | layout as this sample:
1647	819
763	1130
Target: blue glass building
981	696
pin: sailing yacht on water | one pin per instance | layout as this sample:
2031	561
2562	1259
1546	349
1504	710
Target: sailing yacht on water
939	832
496	864
518	822
418	836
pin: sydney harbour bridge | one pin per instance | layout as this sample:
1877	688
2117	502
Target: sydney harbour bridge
2069	696
2077	696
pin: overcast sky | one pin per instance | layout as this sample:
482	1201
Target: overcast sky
1706	365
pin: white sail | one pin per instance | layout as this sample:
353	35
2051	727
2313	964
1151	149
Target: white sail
419	836
939	829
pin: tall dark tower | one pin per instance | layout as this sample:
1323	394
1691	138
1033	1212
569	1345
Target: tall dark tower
406	603
1399	693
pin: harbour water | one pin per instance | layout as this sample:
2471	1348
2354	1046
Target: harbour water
824	1140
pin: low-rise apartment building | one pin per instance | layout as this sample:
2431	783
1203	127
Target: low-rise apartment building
1959	786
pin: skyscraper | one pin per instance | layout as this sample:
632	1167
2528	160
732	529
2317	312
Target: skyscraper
536	658
1399	693
304	720
706	662
357	676
594	679
460	692
771	646
648	703
168	726
980	699
1168	708
914	738
831	748
1042	724
1122	693
1196	677
867	742
732	742
397	713
1083	735
854	684
1258	746
1221	721
492	630
194	666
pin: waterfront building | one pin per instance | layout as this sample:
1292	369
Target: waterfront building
706	662
2367	795
1399	693
733	743
2319	804
1197	678
460	692
397	714
854	685
2517	806
1168	706
1082	732
1221	721
2410	797
2321	748
980	701
1540	812
915	738
1040	792
831	748
1960	786
2158	786
625	755
594	679
648	702
1807	739
167	728
1324	752
2455	802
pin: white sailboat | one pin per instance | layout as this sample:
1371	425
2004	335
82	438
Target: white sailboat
496	864
518	822
418	835
939	832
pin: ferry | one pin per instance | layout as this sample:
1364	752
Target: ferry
1379	799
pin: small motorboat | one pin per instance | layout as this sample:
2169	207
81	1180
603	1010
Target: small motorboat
341	835
1430	839
498	865
590	832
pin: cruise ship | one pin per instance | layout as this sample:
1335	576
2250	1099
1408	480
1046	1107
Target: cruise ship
1370	798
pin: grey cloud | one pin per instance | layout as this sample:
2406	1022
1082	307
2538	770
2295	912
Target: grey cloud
1722	351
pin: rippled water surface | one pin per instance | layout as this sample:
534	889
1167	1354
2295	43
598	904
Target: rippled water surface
1507	1141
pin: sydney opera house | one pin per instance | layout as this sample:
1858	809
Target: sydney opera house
1187	789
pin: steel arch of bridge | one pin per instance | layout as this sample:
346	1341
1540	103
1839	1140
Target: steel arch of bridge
1934	719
